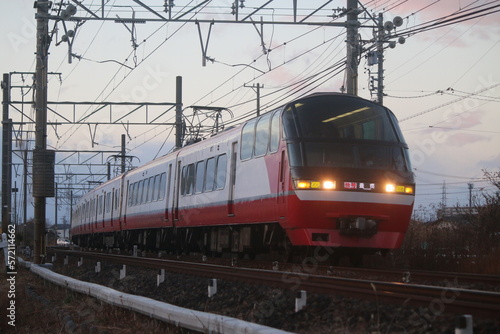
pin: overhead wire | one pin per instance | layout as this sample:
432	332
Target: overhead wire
86	115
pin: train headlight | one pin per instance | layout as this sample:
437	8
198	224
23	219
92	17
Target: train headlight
390	188
307	184
329	185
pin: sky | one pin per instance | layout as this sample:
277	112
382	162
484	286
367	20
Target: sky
442	84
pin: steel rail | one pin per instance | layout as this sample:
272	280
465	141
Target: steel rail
439	299
425	274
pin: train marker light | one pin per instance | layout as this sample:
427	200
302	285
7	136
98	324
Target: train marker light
392	188
400	189
302	184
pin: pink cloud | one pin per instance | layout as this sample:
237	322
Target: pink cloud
462	139
462	120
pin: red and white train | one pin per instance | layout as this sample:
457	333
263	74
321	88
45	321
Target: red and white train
328	170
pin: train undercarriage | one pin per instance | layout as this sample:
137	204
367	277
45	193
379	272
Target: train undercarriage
239	241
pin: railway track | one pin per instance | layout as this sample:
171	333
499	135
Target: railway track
443	299
423	275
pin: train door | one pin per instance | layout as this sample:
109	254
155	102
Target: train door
125	202
167	193
282	173
112	208
232	178
176	193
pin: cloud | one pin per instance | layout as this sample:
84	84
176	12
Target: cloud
429	11
492	163
463	139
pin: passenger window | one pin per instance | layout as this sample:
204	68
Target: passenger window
161	191
151	188
200	172
99	205
130	193
275	132
209	175
156	187
188	179
262	132
107	204
220	179
183	180
117	198
145	193
138	195
247	140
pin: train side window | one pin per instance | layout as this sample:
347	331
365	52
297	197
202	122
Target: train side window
162	187
134	193
247	140
107	203
138	194
275	132
262	133
99	205
146	192
209	175
200	172
141	191
156	187
183	180
117	198
151	188
190	179
221	171
131	194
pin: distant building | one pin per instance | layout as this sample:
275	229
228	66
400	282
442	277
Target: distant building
456	214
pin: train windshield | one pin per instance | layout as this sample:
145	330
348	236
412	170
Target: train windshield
343	131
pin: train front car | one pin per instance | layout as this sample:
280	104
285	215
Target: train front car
351	179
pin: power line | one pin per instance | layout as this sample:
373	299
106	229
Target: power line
448	103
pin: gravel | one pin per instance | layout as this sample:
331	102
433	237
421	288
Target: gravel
275	307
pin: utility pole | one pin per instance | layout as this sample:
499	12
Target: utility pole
25	189
257	90
471	186
43	159
380	58
178	113
123	156
352	25
383	38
